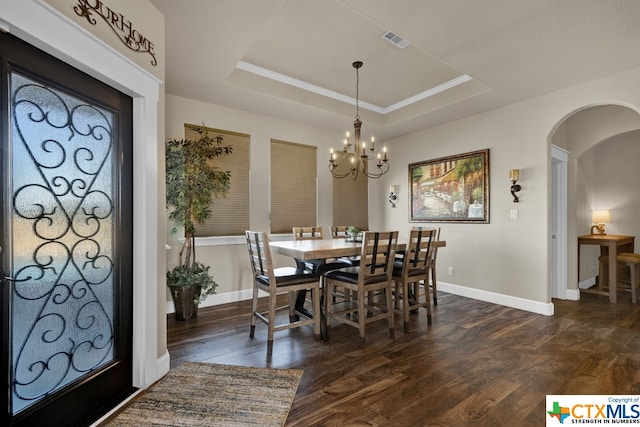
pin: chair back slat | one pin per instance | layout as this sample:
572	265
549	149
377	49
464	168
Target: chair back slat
435	237
259	253
377	253
339	232
307	233
419	251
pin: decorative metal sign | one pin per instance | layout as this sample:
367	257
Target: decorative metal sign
121	26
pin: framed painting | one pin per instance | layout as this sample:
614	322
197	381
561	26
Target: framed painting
451	189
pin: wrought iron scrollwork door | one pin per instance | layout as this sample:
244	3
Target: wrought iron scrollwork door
63	165
62	227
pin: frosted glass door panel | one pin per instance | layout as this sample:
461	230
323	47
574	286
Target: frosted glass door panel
62	225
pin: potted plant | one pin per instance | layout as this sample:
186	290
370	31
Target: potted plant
192	184
354	233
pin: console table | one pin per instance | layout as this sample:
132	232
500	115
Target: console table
610	245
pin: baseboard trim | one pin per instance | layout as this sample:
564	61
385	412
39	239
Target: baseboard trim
118	408
479	294
573	294
219	299
496	298
164	364
587	283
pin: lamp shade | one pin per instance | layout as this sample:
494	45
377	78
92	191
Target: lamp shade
514	174
600	217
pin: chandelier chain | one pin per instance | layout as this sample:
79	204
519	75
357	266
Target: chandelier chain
357	93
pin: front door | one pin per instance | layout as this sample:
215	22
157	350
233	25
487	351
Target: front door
65	240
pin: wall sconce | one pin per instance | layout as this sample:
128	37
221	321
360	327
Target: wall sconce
392	195
514	175
599	217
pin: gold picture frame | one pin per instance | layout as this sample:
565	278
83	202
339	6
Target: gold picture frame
450	189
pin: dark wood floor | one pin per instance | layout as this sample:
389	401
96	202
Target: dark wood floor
478	364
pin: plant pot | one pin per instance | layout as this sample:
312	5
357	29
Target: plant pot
185	300
354	237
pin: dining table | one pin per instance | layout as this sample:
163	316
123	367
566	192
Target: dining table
327	249
316	249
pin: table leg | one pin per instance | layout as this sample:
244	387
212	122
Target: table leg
613	267
324	333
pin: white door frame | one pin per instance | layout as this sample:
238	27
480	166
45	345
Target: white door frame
559	214
40	25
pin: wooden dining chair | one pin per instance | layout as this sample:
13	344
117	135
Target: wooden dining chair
275	281
308	233
339	231
433	286
369	281
433	269
314	266
411	275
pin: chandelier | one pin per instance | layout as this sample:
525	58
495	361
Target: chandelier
354	161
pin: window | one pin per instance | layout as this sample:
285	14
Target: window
293	186
230	215
351	202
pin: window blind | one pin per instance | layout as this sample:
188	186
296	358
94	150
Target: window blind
351	202
230	215
293	186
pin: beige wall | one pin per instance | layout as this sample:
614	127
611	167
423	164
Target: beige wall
611	171
230	264
506	261
507	257
606	141
141	17
511	257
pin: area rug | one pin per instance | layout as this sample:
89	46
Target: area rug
205	394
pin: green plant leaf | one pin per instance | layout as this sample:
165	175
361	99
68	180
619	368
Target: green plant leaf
192	185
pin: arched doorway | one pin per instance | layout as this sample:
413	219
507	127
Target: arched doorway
601	143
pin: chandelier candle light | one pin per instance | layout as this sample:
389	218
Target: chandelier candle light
359	160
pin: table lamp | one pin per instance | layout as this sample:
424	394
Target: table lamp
599	217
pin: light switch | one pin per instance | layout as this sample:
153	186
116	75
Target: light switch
514	214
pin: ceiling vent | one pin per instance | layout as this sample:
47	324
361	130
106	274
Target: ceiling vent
395	39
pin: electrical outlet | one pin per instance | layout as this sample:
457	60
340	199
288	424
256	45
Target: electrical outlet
452	271
514	214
